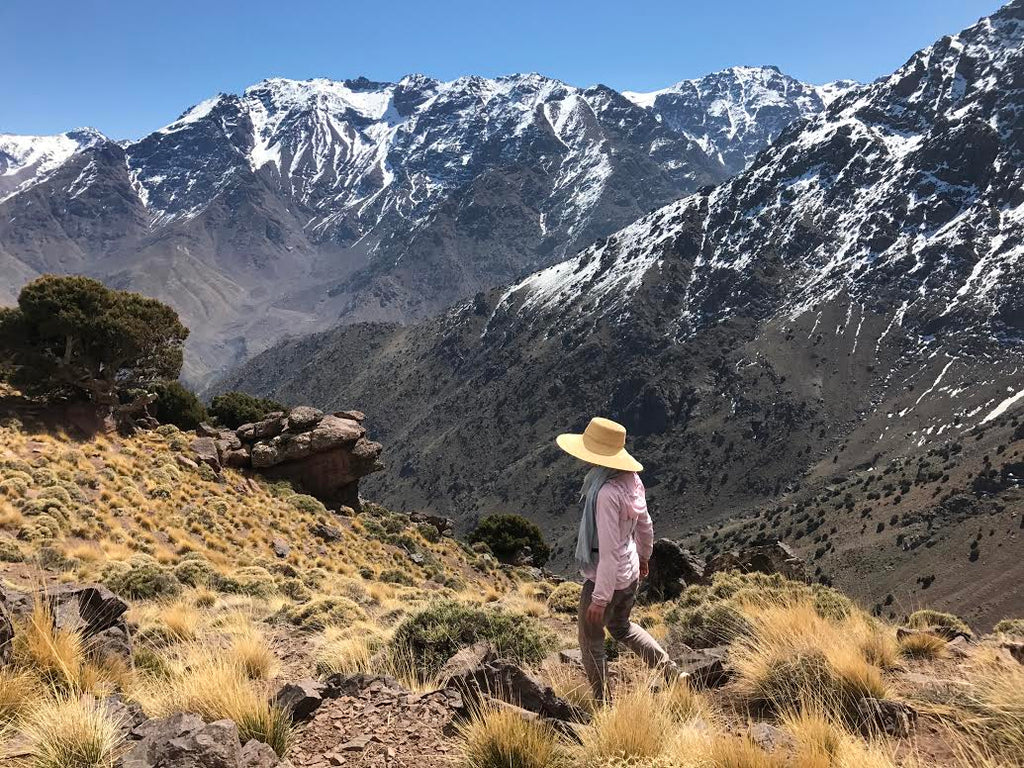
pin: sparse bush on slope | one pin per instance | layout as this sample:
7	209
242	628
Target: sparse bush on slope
435	634
233	409
508	536
1012	627
565	598
926	618
176	404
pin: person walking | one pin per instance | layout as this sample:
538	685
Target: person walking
616	538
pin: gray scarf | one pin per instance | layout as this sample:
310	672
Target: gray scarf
586	542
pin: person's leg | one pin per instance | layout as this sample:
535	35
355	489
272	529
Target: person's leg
591	637
633	636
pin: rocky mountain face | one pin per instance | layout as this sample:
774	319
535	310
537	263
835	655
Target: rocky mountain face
294	205
735	113
853	301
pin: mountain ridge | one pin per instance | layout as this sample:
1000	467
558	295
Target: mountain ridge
296	204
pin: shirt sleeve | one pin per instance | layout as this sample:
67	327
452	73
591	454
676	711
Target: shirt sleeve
608	535
644	535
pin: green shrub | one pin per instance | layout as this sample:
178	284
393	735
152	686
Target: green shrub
1014	627
325	612
305	503
708	624
40	528
252	580
233	409
509	535
10	552
565	598
176	404
294	588
926	618
429	532
194	572
396	576
435	634
13	487
139	579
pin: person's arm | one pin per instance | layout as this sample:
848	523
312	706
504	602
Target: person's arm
644	536
608	535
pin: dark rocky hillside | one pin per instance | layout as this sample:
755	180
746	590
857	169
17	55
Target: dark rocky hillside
853	299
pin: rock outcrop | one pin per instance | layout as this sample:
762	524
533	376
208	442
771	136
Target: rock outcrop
185	741
673	568
323	454
775	557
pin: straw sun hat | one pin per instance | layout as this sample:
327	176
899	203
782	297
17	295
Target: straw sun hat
603	442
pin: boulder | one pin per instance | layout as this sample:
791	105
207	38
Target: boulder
572	657
324	455
332	432
303	418
476	673
205	451
236	459
706	667
256	754
443	524
893	718
90	608
769	738
775	557
127	715
185	462
351	415
6	631
331	476
325	531
184	741
672	568
206	429
280	547
302	698
1015	648
467	661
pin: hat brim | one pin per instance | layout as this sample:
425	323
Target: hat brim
573	445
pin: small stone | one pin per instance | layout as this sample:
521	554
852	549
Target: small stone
302	698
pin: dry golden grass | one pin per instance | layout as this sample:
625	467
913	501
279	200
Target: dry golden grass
995	704
571	684
635	726
795	659
923	646
501	738
181	620
18	690
56	656
685	704
215	686
254	656
69	731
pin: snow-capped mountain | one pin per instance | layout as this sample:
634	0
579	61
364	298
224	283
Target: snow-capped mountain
26	159
735	113
293	204
853	298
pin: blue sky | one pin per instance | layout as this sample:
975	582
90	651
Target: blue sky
129	67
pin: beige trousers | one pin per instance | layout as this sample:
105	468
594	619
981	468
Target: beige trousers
633	636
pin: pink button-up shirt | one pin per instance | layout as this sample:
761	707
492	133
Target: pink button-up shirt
625	535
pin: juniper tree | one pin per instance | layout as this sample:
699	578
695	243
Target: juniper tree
72	337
